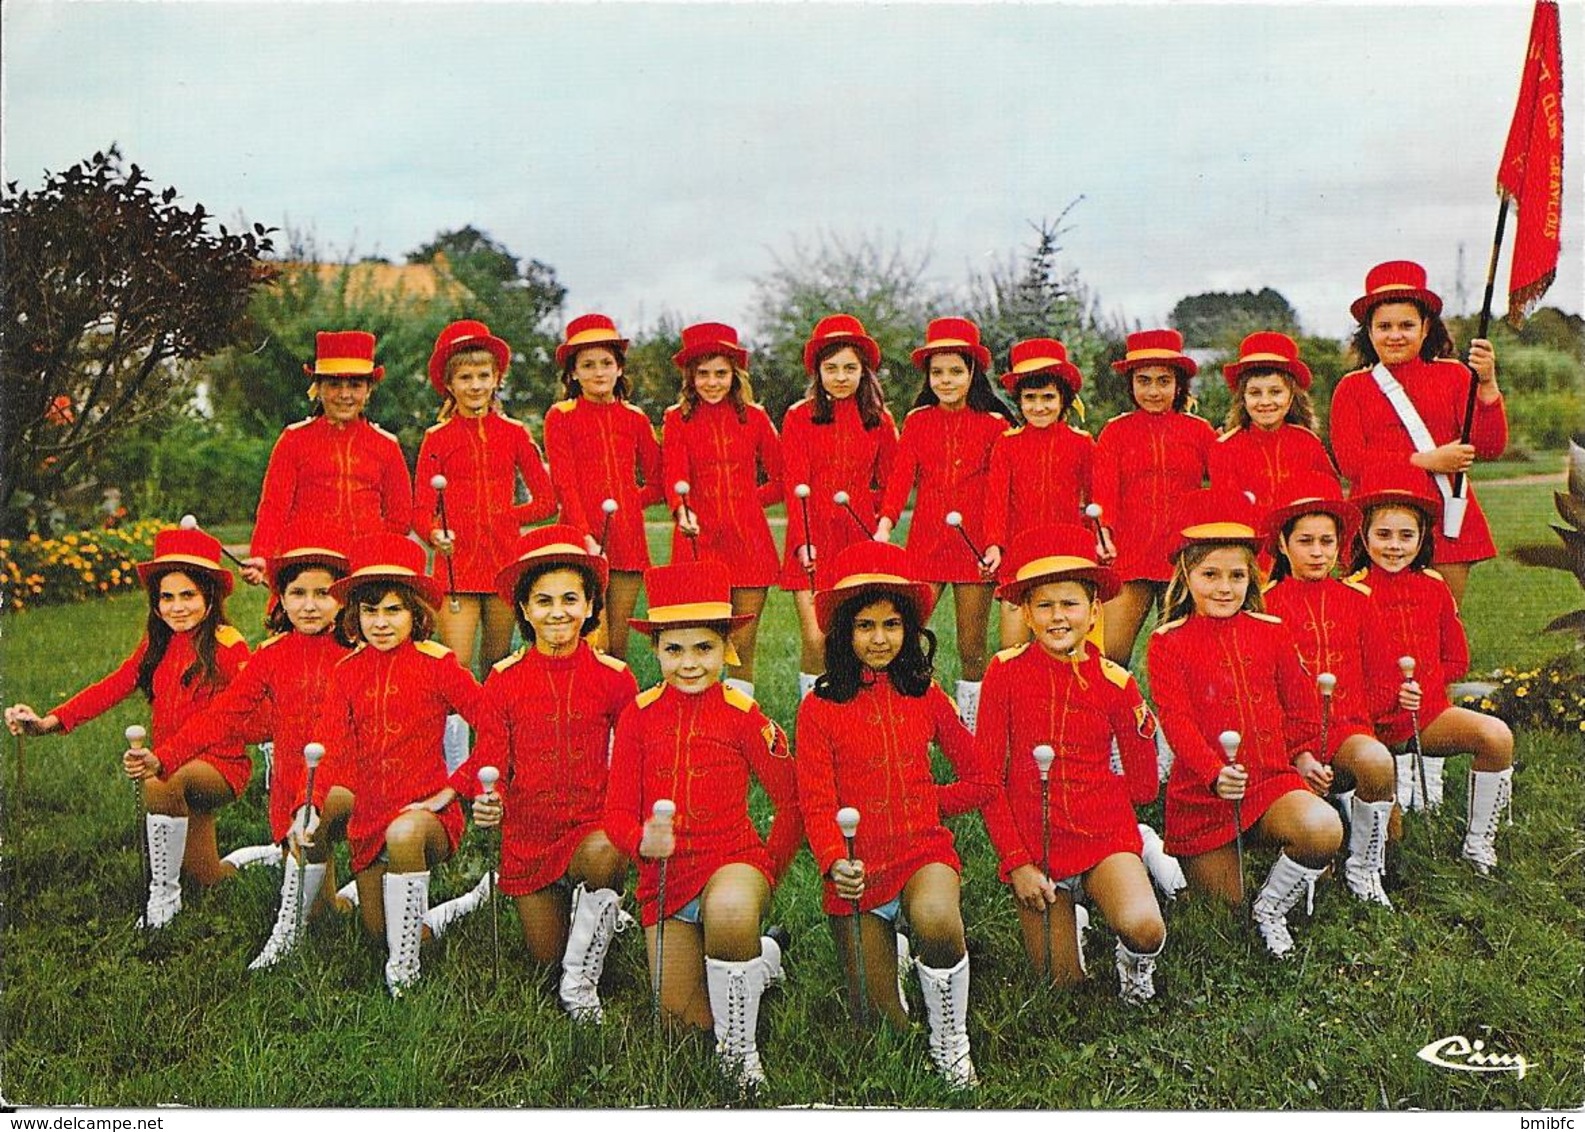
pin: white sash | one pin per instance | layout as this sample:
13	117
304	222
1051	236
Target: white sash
1453	506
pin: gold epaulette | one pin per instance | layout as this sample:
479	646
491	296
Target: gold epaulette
268	641
391	436
566	406
1009	653
649	695
507	661
306	421
227	636
1354	583
1014	431
1169	625
440	425
1228	435
1358	575
1430	573
738	699
610	662
432	648
1115	672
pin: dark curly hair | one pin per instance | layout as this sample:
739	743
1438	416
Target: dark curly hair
911	670
1438	342
591	590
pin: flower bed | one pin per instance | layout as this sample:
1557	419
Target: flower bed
74	567
1551	696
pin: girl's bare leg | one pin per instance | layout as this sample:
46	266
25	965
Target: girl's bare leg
746	639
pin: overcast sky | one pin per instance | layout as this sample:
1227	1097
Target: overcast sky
659	157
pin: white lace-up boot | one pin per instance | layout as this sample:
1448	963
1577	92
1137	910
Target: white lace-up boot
1490	792
1081	924
905	961
442	916
167	846
1433	781
1164	756
246	855
347	896
1165	871
594	924
1287	882
735	992
946	994
1408	788
1367	850
300	882
1136	974
968	698
406	901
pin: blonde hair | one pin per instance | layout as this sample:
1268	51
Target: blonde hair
1179	601
1301	410
470	355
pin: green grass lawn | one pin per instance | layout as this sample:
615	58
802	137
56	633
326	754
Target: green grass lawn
97	1013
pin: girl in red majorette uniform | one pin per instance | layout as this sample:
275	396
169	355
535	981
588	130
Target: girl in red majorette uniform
482	453
382	728
550	710
721	446
1269	438
188	654
945	450
864	740
839	439
1406	407
1056	692
1040	470
279	696
1419	619
1219	664
1145	460
603	450
695	741
1338	634
335	467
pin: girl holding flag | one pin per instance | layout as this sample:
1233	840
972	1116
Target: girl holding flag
1404	411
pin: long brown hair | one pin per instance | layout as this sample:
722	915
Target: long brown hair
204	668
574	388
868	398
374	592
277	622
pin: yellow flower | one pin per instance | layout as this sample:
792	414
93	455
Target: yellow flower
1521	691
1487	705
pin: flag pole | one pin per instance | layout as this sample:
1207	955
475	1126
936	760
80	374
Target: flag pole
1485	327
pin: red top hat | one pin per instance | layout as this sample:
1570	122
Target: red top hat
1059	552
1311	495
952	336
874	568
845	330
1156	348
706	340
467	334
1396	484
684	594
186	550
389	557
309	543
1266	349
344	353
555	545
589	330
1216	516
1396	281
1041	355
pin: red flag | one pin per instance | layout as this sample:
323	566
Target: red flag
1531	173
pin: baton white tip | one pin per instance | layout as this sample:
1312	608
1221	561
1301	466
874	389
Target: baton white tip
135	735
608	506
488	777
1230	741
801	491
1093	511
954	519
312	753
1406	666
1326	682
1045	755
189	522
438	482
841	498
848	820
682	487
663	808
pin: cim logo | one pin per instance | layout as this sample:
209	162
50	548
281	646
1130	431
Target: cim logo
1460	1054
